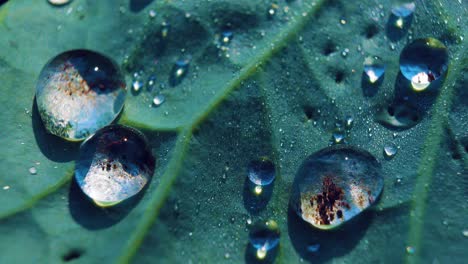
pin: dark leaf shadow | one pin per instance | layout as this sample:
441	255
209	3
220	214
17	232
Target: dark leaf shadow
93	217
53	147
332	243
250	255
254	203
138	5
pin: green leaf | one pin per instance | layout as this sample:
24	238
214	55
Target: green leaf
277	91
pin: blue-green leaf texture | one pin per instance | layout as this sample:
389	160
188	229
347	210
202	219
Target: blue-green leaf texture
228	111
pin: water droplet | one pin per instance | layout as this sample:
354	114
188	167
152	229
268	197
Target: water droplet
33	170
272	11
114	165
410	250
261	172
335	184
338	137
424	61
137	83
159	100
374	69
152	13
390	151
59	2
151	83
349	121
165	27
224	39
73	99
6	187
264	236
465	232
179	71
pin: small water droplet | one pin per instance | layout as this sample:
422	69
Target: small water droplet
6	187
114	165
338	137
465	232
73	99
33	170
159	100
264	236
261	172
179	70
152	13
165	27
336	184
151	83
272	10
404	10
137	83
374	69
224	39
349	121
390	151
410	250
424	61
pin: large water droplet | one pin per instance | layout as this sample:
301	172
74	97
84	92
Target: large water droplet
114	165
261	172
179	71
335	184
423	62
374	69
264	236
79	92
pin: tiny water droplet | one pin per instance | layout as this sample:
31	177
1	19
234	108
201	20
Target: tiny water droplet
272	10
349	121
374	69
33	170
137	84
179	71
410	250
152	13
114	165
338	137
73	99
264	236
336	184
159	100
404	10
224	39
465	232
151	83
165	27
390	151
424	61
6	187
261	172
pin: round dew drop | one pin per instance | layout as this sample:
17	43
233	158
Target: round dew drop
79	92
114	164
264	236
336	184
261	172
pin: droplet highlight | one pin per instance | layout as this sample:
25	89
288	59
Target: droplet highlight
114	164
179	71
79	92
336	184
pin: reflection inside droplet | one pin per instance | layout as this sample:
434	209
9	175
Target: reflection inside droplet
424	61
261	172
264	236
373	68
